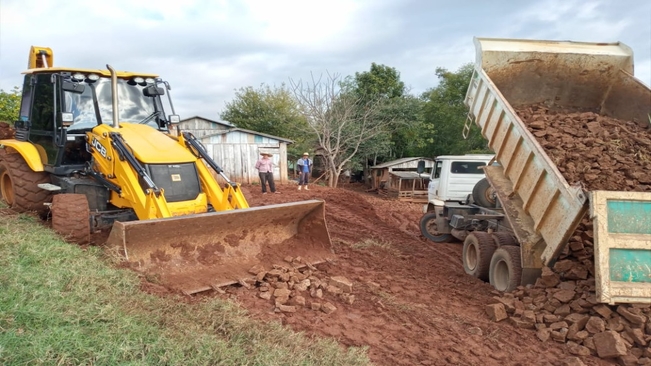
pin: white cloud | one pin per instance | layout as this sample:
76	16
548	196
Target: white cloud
209	48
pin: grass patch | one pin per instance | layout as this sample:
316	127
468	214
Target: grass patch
370	243
62	305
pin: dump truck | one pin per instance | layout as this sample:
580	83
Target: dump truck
95	149
535	210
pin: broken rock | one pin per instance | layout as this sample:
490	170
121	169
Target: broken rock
342	282
496	312
609	344
595	325
328	308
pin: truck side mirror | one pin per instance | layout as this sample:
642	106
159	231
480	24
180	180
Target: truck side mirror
420	168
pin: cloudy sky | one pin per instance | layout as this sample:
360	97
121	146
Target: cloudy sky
207	49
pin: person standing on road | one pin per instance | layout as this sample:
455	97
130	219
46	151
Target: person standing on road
304	169
266	173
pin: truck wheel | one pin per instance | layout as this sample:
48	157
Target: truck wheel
483	194
505	271
478	249
19	185
71	217
503	238
429	229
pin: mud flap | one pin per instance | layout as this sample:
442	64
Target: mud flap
622	246
196	253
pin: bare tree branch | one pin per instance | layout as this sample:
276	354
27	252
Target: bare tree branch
340	120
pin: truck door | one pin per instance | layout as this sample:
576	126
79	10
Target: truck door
435	181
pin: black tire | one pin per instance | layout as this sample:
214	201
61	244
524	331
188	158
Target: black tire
429	229
19	184
503	238
505	272
478	249
71	217
483	194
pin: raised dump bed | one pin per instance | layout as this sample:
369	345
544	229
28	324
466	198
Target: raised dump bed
542	208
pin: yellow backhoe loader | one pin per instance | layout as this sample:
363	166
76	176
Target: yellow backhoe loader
93	149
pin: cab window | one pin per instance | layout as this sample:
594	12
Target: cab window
467	167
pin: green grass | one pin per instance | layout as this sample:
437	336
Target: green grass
62	305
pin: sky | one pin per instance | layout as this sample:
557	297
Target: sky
208	49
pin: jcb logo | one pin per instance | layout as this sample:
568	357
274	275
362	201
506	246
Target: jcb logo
99	147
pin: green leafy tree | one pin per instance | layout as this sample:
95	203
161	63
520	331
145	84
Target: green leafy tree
445	114
9	105
272	111
382	83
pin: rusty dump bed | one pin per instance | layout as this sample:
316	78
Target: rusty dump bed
543	209
196	253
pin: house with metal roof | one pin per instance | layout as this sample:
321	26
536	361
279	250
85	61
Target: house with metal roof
399	178
236	150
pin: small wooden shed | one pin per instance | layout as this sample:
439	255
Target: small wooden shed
399	178
236	150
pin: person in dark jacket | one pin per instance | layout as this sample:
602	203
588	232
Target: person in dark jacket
304	169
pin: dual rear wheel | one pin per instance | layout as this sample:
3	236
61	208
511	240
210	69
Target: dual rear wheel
485	257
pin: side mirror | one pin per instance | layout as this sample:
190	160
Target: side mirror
152	91
73	87
421	167
174	118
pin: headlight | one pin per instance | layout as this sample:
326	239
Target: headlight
93	77
138	80
78	77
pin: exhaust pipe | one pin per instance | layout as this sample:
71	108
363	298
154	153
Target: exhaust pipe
114	96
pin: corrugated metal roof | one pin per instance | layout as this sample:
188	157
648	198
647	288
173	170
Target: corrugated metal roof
399	161
233	128
409	175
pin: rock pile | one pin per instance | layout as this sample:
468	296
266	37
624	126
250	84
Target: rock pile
296	285
596	152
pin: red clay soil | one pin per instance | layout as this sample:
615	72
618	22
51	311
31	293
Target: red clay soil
413	304
6	131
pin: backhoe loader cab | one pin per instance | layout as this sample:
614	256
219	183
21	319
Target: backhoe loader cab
93	150
59	106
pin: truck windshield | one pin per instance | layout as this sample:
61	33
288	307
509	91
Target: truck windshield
95	101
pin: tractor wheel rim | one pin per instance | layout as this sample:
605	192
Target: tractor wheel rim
7	188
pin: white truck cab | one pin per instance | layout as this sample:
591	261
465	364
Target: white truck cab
454	177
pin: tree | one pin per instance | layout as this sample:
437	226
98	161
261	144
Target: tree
271	111
445	114
382	83
10	105
340	119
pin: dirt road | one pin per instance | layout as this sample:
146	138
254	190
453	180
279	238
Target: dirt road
413	303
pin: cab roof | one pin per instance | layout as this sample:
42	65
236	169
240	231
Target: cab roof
104	73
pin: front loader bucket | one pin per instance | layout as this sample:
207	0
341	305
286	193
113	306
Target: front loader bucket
196	253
